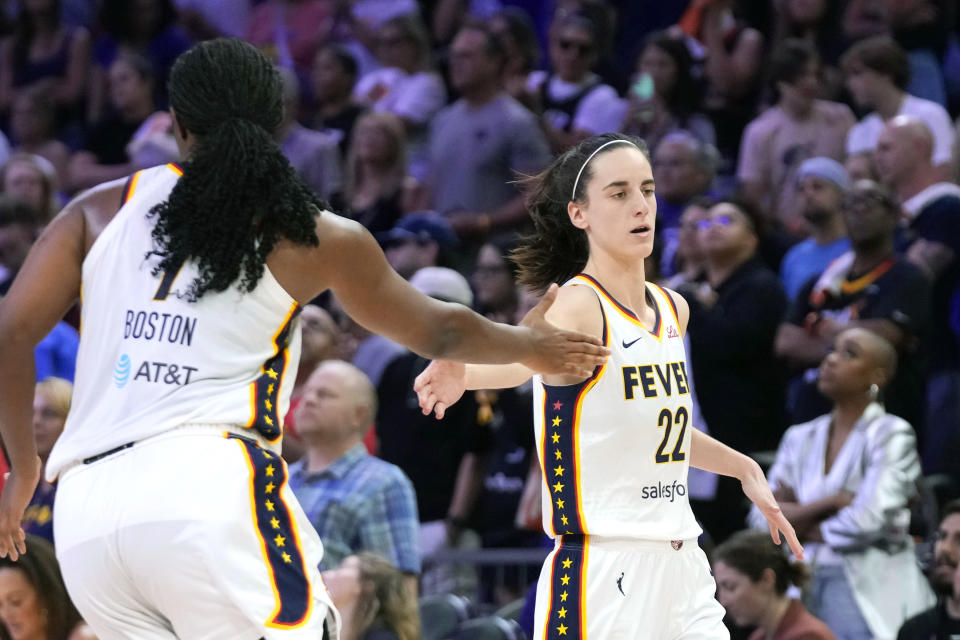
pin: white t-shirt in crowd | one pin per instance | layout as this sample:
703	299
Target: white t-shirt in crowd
600	111
416	97
863	136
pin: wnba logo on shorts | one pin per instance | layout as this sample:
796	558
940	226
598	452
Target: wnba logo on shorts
121	372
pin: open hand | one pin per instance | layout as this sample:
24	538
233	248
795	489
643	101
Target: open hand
756	488
16	495
440	385
556	351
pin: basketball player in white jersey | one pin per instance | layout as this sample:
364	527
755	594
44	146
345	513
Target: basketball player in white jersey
173	515
614	447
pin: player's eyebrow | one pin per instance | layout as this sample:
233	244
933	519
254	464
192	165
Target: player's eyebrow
617	183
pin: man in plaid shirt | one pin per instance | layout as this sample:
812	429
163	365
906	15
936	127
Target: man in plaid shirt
355	501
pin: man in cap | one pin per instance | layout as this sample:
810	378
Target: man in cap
418	240
821	184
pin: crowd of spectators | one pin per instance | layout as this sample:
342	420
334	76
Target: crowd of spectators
807	162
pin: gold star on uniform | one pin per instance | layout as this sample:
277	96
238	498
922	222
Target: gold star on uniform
567	563
270	487
266	454
268	405
280	540
274	523
558	470
557	421
557	453
268	420
286	556
562	612
562	630
269	506
270	470
270	372
557	488
563	519
556	438
560	506
565	580
563	597
269	389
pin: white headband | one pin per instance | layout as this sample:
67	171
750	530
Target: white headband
573	194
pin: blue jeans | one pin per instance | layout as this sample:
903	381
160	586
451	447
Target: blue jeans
831	599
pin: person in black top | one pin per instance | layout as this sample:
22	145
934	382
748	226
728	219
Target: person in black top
733	319
334	74
941	622
869	286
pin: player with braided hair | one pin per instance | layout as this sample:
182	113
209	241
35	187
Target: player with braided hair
173	514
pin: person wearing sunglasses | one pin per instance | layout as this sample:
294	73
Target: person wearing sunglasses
574	101
734	314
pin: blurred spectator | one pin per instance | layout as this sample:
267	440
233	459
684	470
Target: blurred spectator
334	76
799	126
870	287
733	318
377	188
106	155
493	281
373	599
862	166
573	101
433	453
418	240
518	36
821	185
753	575
206	19
358	22
664	95
943	619
877	73
145	28
689	261
42	48
51	404
18	230
732	55
33	128
685	168
319	337
845	480
406	85
480	143
32	180
932	212
56	354
291	30
314	154
355	501
816	21
36	603
4	148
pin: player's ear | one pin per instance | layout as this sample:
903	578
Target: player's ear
577	218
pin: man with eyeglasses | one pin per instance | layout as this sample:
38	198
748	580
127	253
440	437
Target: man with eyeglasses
931	225
871	287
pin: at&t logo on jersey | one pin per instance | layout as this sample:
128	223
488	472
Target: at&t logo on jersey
121	372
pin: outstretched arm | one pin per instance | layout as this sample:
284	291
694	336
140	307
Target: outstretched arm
711	455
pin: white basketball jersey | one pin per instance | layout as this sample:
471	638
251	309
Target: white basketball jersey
615	448
149	360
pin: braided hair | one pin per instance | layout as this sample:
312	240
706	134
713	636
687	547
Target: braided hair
238	195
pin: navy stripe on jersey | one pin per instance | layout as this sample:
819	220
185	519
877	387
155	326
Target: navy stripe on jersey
278	536
565	613
561	426
265	391
625	311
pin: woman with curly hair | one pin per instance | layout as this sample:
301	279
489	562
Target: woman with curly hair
374	599
193	277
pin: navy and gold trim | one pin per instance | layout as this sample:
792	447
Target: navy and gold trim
566	611
627	313
560	448
278	537
265	390
129	188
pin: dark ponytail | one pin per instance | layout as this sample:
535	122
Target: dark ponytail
753	552
556	250
238	195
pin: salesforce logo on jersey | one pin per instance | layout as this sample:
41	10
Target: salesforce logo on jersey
662	491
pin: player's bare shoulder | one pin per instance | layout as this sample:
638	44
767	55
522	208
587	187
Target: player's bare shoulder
91	211
577	308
